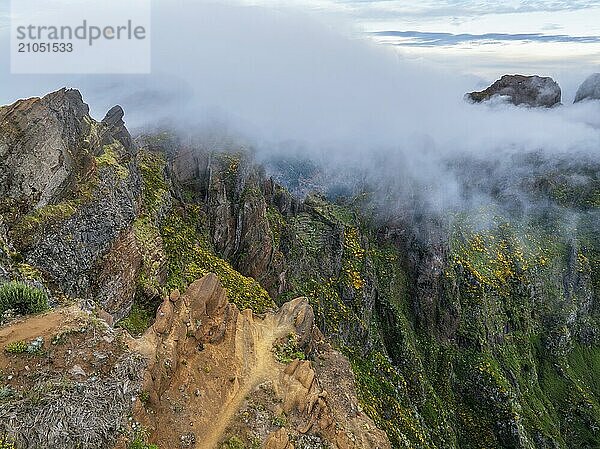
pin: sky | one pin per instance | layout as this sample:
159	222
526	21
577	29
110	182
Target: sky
481	37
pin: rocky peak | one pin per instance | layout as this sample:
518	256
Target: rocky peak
67	102
73	180
113	121
38	137
114	117
589	89
533	91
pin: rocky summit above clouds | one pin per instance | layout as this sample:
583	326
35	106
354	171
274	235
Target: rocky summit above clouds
533	91
589	89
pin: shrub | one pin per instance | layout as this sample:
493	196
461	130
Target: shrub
144	398
22	298
279	421
140	440
16	347
287	351
137	322
21	347
5	444
234	443
6	392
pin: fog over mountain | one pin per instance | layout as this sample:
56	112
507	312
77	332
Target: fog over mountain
284	83
280	81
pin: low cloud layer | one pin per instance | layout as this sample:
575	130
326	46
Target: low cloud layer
282	82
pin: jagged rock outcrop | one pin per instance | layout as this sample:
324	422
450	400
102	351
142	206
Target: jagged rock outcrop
39	138
115	125
231	188
533	91
210	364
589	89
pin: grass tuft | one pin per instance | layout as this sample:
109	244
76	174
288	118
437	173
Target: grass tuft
22	298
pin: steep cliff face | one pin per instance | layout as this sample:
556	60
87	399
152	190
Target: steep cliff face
477	328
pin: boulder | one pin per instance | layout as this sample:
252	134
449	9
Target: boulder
589	89
533	91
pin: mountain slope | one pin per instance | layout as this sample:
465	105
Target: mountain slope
471	328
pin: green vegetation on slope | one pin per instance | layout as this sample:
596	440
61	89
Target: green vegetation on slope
137	321
190	257
505	378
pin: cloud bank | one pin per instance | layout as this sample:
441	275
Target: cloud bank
283	83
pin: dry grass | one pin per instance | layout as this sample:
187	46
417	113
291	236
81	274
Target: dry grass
62	414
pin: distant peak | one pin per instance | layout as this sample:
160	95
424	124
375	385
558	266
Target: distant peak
589	89
532	91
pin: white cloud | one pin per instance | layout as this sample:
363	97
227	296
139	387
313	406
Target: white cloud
280	80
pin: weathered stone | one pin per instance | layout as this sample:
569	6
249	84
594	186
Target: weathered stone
39	138
240	364
589	89
534	91
230	185
175	295
302	315
164	317
77	370
115	125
